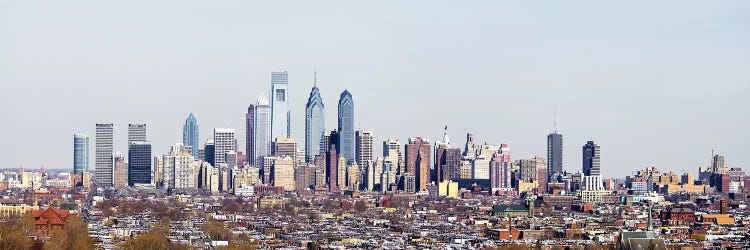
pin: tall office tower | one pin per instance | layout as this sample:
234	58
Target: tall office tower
250	134
285	147
262	129
591	157
210	152
223	142
718	165
136	133
104	150
346	127
527	170
392	152
554	154
332	167
190	135
440	148
363	147
451	164
417	161
139	163
500	170
280	125
282	172
159	171
80	153
120	171
314	124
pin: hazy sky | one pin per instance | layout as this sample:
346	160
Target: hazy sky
653	83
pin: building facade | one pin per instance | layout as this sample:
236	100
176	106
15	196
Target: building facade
104	158
139	163
262	130
591	159
224	141
554	153
363	148
346	127
190	135
80	153
280	125
314	124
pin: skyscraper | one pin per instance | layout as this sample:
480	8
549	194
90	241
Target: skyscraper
210	152
139	163
346	126
262	129
392	153
190	135
280	125
418	161
250	134
441	148
120	171
591	157
554	153
136	133
500	170
80	153
364	147
224	142
104	150
314	124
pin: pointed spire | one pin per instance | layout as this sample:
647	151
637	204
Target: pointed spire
446	140
315	77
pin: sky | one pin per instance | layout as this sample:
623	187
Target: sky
653	83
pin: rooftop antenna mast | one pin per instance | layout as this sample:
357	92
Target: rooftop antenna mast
315	77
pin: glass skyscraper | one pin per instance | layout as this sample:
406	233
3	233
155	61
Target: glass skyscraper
554	153
190	135
280	124
262	129
139	163
80	153
314	124
346	127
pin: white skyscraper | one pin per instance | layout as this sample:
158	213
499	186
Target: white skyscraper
224	141
136	133
280	124
104	158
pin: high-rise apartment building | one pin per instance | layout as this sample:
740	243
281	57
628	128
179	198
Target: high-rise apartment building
314	124
262	130
417	161
120	171
363	147
80	153
282	172
280	125
139	163
554	154
104	157
591	159
224	141
346	127
500	170
190	135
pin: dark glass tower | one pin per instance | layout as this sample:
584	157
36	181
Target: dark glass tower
591	156
554	153
139	163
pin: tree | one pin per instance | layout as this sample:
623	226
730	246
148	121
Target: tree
74	236
14	238
216	230
360	206
149	241
162	227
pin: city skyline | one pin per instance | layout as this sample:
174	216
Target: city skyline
584	91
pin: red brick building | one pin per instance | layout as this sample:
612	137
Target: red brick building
47	220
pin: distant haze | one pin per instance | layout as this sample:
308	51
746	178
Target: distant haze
653	83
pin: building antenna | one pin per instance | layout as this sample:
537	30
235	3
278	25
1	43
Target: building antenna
315	77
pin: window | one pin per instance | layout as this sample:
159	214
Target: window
280	95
